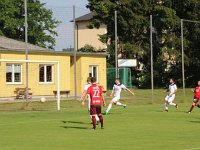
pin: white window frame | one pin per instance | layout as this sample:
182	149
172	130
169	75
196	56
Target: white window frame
45	73
13	74
97	73
57	63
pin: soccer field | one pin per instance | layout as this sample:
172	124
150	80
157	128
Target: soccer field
141	126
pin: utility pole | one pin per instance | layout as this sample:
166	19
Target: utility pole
183	62
151	45
75	49
26	47
116	48
182	51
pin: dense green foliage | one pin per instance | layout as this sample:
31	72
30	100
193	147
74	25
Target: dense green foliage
41	25
134	33
87	48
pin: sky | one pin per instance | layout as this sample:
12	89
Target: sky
63	11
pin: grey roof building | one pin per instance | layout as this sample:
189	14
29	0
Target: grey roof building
11	44
85	17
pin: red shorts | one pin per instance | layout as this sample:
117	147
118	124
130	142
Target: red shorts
95	109
196	100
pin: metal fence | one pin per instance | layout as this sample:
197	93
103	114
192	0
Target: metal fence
124	75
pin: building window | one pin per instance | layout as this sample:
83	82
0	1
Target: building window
13	73
46	74
93	72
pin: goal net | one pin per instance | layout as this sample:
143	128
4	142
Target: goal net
29	85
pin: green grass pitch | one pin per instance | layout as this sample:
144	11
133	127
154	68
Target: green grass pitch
141	126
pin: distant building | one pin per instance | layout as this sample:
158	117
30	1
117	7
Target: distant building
42	76
86	36
11	44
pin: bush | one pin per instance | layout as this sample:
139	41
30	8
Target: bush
87	48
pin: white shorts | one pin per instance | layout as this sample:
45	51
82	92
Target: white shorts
170	99
115	99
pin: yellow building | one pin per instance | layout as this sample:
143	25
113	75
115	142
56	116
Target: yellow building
86	36
42	75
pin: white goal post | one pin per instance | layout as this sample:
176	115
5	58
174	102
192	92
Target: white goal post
43	61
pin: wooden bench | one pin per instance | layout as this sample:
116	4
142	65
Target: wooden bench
61	93
21	93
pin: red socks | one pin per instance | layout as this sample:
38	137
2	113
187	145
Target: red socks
94	122
101	120
192	107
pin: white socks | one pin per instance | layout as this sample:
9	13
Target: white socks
97	118
109	108
173	104
166	108
119	104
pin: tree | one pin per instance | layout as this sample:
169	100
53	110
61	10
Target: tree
87	48
41	25
133	27
133	32
167	49
189	9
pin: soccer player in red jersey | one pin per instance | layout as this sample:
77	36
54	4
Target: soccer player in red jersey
196	97
96	97
85	93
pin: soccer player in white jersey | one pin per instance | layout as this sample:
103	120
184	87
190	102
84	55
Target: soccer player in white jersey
85	92
169	99
116	92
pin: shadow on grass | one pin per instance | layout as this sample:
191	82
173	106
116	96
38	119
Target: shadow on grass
72	127
194	121
74	122
69	125
170	111
161	111
111	113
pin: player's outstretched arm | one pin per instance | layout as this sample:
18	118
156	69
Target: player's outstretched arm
130	91
193	90
83	95
165	91
83	99
103	99
112	93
